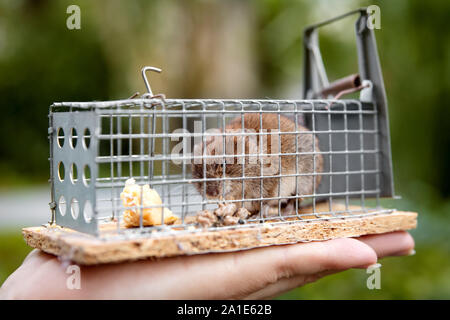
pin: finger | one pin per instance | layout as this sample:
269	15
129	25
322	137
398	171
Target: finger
316	257
390	244
32	255
240	274
286	284
304	263
39	277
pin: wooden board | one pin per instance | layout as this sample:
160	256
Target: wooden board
88	250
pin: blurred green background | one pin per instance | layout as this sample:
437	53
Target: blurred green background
233	49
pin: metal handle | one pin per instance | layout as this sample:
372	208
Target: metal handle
350	82
315	84
144	70
315	80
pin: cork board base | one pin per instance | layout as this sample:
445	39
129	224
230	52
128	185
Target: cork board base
84	249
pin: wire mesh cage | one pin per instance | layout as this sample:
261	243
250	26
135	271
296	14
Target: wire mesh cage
136	139
149	165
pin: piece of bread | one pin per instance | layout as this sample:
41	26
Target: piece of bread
151	216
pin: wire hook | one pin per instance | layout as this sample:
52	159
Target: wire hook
144	70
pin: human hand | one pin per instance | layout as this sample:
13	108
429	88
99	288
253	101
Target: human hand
252	274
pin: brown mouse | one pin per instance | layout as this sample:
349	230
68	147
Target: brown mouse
238	164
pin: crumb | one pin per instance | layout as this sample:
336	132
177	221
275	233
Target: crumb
225	210
225	215
242	213
230	220
206	218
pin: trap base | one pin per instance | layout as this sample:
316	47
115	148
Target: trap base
85	249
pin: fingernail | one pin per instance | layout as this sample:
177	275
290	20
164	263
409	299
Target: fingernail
374	266
412	252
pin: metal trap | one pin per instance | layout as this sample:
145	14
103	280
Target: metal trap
317	191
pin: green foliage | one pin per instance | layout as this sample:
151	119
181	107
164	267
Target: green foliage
12	252
41	63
